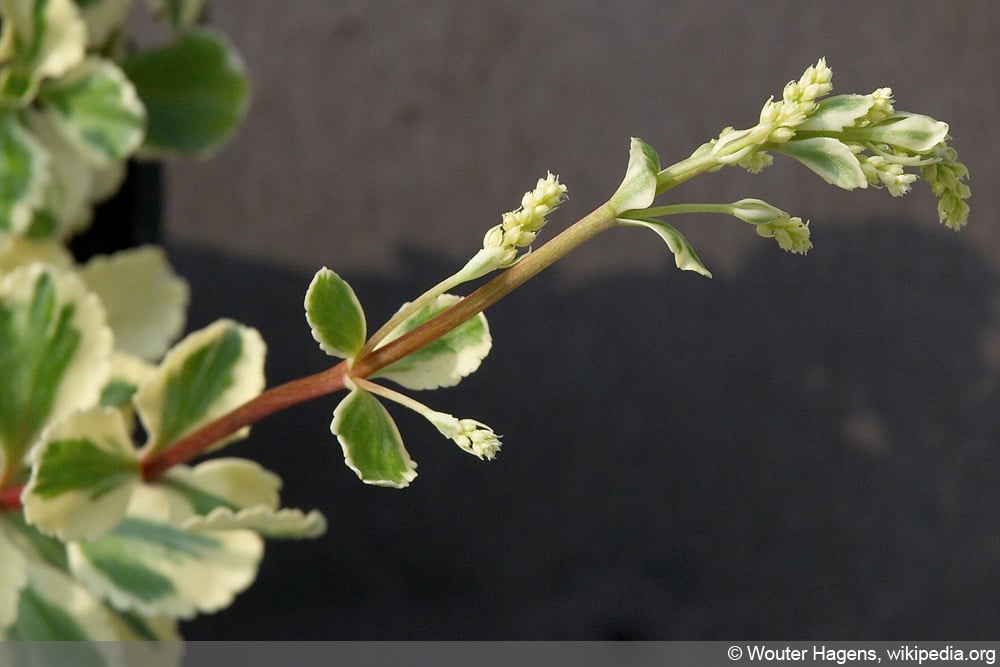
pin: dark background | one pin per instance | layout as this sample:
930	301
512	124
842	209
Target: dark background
798	448
808	450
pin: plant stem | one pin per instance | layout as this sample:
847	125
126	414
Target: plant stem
10	497
597	221
699	162
333	379
271	401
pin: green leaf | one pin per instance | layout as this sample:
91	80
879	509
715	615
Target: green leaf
334	314
371	442
831	159
55	353
98	111
638	189
195	90
445	361
153	567
209	373
684	255
84	473
24	175
145	300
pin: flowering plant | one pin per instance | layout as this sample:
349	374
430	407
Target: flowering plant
104	536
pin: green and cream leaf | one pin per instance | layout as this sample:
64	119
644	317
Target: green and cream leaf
145	300
281	524
83	475
53	606
830	159
20	251
909	131
685	256
445	361
335	315
638	189
46	39
232	493
833	114
97	109
151	566
373	447
230	483
208	373
24	172
75	183
55	353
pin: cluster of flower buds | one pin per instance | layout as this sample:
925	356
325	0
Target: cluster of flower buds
851	141
519	228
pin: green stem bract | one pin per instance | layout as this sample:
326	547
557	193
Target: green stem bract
676	209
679	172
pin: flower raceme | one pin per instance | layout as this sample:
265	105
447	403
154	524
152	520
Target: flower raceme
517	229
851	141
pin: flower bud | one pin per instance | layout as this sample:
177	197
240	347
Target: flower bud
756	212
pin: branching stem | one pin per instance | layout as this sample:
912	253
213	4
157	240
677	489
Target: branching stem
333	379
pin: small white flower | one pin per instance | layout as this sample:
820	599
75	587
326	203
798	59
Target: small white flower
472	436
791	234
881	172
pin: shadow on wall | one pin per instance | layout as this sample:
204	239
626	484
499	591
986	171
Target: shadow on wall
810	449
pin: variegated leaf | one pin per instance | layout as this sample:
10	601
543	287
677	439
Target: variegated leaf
231	493
24	172
153	567
98	111
83	475
372	446
207	374
55	353
685	256
445	361
145	300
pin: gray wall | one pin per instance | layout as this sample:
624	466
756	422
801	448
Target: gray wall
382	125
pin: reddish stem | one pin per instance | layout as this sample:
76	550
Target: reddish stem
334	379
271	401
10	497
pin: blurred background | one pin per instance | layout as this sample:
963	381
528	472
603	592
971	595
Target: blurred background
799	447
